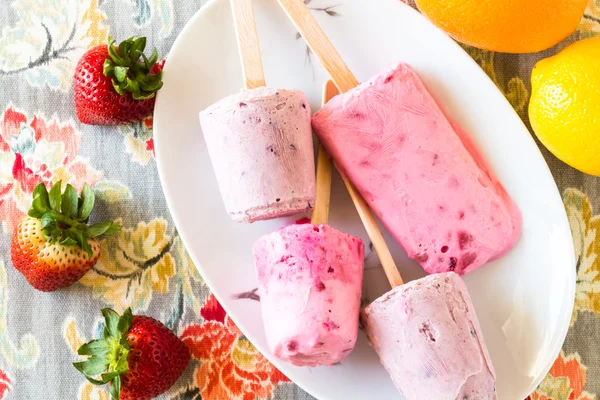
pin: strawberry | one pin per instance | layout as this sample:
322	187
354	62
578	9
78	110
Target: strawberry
53	246
116	85
139	356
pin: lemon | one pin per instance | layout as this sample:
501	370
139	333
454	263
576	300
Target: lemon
564	109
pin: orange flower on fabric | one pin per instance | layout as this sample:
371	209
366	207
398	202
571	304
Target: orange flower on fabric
231	368
565	381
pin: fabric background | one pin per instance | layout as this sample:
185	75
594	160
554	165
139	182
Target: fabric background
145	266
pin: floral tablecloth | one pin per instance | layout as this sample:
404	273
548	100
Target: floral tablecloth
145	266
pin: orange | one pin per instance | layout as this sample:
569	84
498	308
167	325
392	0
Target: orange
511	26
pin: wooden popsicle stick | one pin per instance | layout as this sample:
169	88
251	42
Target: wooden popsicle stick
248	46
318	42
320	213
364	212
368	220
343	78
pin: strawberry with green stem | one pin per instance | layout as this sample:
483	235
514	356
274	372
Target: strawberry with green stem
115	85
53	246
138	356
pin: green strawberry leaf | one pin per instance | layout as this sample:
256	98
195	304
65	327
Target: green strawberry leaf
81	239
55	196
79	367
40	190
93	381
93	366
68	241
37	204
121	73
79	205
95	347
112	229
86	246
98	228
88	197
125	321
119	87
108	67
51	233
153	58
41	202
137	49
140	96
132	86
123	50
33	213
115	388
109	376
123	343
147	65
112	321
122	365
69	201
113	53
135	55
139	44
152	82
72	235
48	219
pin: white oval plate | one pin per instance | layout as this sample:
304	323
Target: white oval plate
523	325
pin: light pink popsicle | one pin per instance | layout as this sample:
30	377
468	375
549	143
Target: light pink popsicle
435	196
260	144
310	280
429	339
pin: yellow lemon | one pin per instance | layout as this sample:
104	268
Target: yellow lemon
564	109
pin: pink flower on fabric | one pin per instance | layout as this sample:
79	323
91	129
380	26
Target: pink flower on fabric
4	384
37	150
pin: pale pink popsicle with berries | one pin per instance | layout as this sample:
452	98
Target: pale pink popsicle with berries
310	280
432	190
429	339
261	148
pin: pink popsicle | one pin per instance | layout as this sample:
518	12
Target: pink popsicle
260	144
429	339
310	280
260	140
434	194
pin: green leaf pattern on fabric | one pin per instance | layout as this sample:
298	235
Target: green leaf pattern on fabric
47	39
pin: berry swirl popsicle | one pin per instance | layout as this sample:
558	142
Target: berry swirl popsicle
260	140
310	282
424	179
